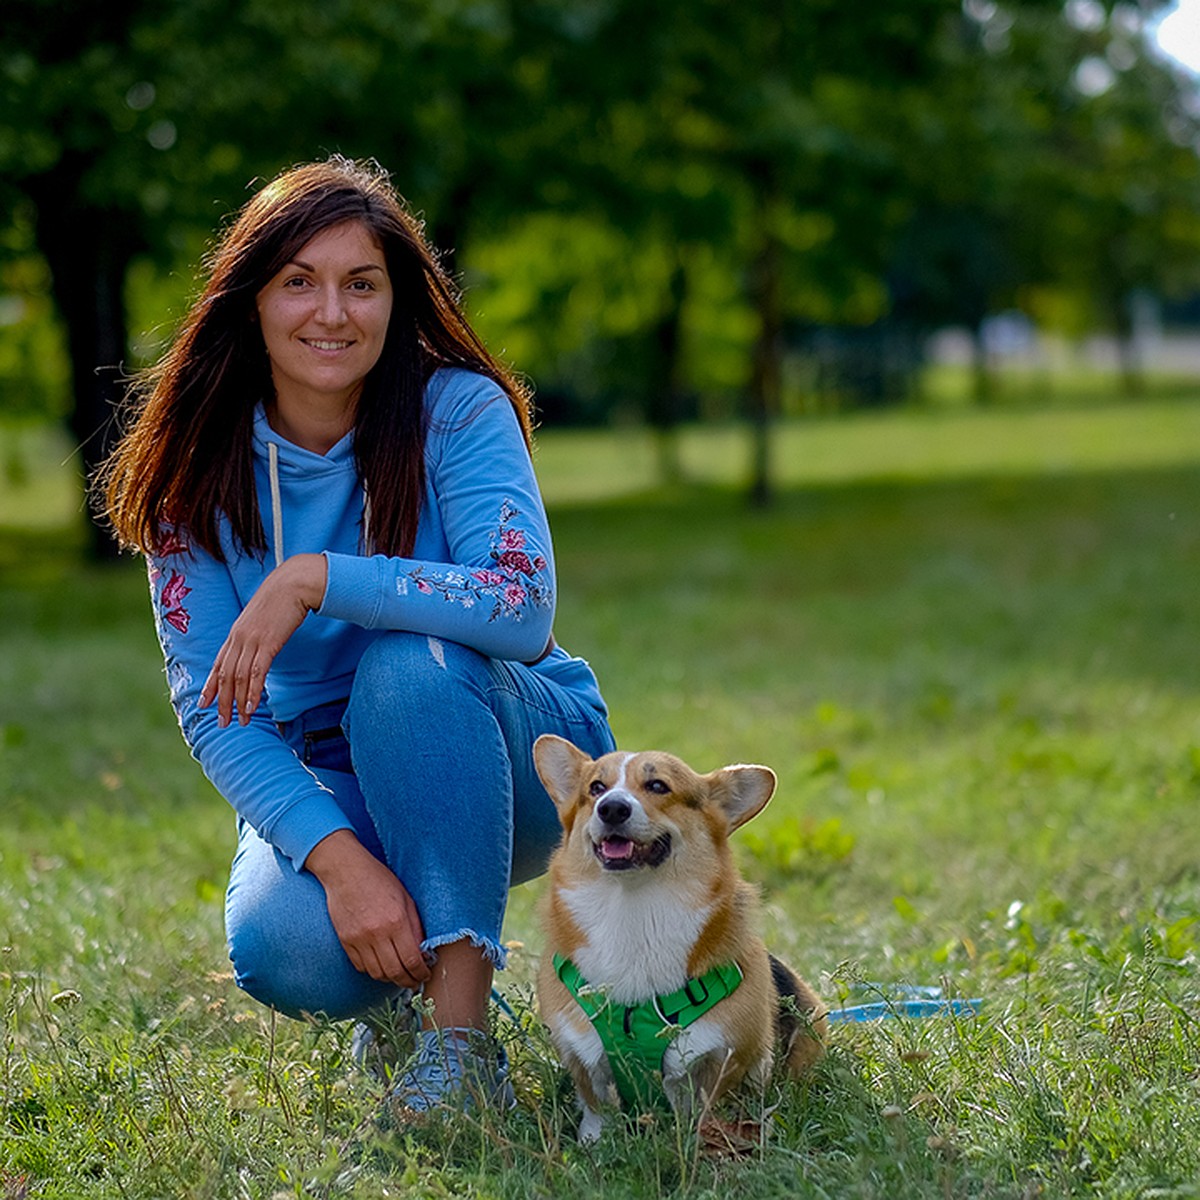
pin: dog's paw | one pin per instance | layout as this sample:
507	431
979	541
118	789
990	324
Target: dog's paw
590	1127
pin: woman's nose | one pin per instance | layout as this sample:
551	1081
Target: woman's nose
330	308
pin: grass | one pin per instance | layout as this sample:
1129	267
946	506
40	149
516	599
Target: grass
966	642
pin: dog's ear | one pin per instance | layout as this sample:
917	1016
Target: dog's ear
559	766
742	791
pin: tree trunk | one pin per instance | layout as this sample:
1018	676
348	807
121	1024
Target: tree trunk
766	376
981	367
88	252
449	229
1128	359
663	399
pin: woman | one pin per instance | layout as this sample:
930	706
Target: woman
353	585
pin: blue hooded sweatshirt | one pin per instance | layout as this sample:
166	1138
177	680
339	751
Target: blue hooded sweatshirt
481	573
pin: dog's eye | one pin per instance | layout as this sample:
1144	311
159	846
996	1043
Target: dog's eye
658	787
598	787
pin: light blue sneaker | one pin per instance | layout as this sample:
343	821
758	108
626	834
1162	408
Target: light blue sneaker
454	1069
385	1036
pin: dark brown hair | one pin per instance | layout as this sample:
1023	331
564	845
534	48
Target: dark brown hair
185	458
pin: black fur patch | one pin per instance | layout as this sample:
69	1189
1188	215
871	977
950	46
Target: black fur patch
789	1012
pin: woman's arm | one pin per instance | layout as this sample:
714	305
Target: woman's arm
239	671
496	592
195	606
200	622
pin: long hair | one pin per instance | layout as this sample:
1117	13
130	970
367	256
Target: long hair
185	458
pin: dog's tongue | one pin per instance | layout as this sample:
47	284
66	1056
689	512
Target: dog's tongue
616	848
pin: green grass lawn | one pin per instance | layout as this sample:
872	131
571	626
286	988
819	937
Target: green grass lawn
967	643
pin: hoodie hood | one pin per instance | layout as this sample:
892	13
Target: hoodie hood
297	477
294	461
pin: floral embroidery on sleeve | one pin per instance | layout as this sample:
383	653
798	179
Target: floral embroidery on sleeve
171	602
513	580
174	543
170	599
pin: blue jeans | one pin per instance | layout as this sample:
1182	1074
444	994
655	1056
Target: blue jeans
431	761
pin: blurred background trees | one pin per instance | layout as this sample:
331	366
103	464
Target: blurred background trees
662	211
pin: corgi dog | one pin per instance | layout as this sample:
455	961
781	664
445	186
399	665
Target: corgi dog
652	963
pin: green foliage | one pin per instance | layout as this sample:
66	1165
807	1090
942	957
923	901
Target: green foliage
575	296
33	378
648	202
961	642
799	846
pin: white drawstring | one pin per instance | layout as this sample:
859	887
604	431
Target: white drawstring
277	508
276	502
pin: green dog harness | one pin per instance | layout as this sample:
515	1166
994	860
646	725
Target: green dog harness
636	1036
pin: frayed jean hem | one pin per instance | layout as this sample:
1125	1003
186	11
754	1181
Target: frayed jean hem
492	950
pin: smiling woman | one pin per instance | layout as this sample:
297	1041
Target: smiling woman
324	318
354	590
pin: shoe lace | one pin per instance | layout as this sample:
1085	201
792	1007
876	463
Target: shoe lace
450	1066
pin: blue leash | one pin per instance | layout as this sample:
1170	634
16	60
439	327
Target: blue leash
910	1000
913	1001
883	1009
503	1005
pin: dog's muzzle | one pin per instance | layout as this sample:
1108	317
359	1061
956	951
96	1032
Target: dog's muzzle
618	853
617	820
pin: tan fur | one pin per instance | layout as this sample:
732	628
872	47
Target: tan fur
645	930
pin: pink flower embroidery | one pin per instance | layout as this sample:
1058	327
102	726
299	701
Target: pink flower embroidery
515	560
174	543
512	583
175	590
171	600
179	618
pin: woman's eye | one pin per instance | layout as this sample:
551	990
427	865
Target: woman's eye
296	282
362	285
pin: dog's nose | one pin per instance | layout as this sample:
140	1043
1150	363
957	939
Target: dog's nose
613	810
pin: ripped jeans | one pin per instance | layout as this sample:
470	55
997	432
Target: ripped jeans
431	761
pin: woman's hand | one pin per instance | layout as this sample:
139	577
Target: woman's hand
274	613
372	913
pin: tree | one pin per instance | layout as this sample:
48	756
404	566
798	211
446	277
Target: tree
783	97
706	130
74	146
122	121
1121	170
1056	153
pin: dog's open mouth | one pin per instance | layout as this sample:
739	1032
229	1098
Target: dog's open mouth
624	854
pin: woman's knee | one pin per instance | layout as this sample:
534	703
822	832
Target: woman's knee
398	668
284	950
299	976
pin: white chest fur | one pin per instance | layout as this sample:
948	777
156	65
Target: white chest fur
637	938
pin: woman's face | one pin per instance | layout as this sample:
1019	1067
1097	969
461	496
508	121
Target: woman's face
324	318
